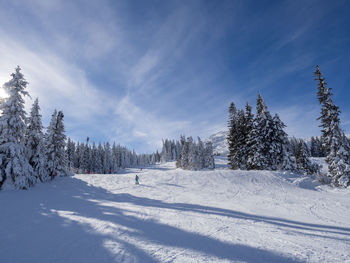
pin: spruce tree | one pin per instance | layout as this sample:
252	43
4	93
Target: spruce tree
99	159
314	151
209	162
239	150
34	142
15	170
303	163
232	140
260	138
182	151
248	142
70	153
55	145
86	157
333	138
280	149
324	97
338	159
107	159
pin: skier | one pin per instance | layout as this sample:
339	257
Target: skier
136	179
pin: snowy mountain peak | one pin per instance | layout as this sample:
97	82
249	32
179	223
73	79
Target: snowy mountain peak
219	142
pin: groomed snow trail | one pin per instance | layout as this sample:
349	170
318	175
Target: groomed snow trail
176	216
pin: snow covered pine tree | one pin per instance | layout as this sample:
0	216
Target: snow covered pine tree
260	138
15	170
335	142
54	147
35	144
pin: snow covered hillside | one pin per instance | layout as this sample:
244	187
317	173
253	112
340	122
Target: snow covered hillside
176	216
219	142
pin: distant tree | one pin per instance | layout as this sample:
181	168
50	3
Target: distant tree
209	162
280	149
181	157
302	161
86	161
195	155
232	137
314	149
70	153
293	142
99	159
249	136
55	145
107	159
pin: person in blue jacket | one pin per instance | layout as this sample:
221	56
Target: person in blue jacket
137	179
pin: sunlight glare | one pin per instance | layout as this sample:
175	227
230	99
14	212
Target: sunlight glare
3	93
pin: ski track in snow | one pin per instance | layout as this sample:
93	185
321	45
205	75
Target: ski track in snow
177	216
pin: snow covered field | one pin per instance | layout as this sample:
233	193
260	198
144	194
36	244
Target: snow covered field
176	216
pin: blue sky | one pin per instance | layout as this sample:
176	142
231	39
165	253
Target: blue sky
135	72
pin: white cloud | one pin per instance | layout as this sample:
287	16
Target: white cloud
150	127
57	84
143	67
301	120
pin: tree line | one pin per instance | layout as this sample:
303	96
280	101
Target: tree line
188	154
259	141
104	158
29	155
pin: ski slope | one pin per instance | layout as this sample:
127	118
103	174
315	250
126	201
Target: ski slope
176	216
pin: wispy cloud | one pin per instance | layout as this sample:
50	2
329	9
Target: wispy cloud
57	84
301	121
139	75
143	124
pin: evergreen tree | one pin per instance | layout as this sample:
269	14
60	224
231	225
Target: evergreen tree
248	141
314	151
232	137
15	170
179	161
94	158
76	159
333	137
188	154
86	161
107	159
115	159
338	159
280	149
70	153
99	159
303	163
55	145
195	155
260	138
201	154
34	142
209	162
324	97
241	150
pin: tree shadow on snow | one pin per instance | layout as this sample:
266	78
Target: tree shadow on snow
281	222
78	236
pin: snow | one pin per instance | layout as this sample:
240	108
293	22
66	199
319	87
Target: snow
176	216
219	142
